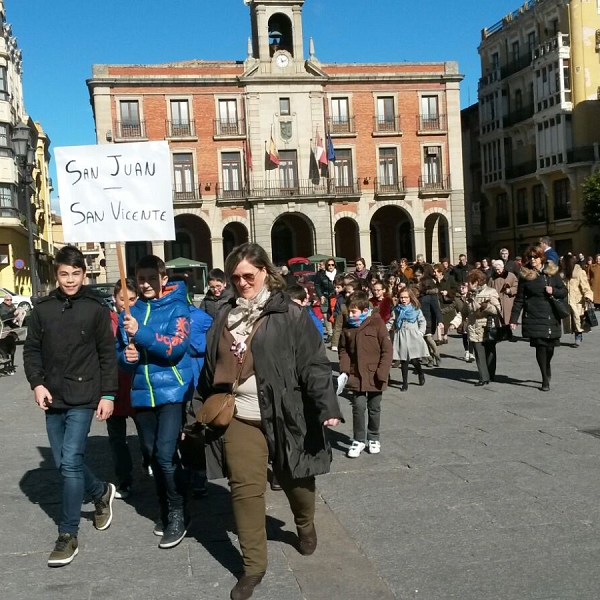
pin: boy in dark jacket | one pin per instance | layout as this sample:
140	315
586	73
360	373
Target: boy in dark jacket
71	365
152	343
218	293
366	357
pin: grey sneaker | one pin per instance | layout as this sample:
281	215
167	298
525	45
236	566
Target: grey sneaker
104	512
65	550
175	530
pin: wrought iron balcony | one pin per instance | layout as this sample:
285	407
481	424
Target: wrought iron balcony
434	185
130	130
387	187
232	191
516	116
303	188
340	125
521	169
179	129
490	78
10	212
516	65
186	194
582	154
386	124
428	123
235	127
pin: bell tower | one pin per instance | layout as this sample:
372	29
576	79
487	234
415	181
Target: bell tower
277	31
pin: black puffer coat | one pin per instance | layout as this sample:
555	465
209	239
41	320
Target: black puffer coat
295	389
539	321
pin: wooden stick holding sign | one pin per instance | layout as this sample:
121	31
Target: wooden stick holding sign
123	276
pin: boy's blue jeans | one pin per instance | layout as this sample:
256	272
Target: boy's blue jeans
68	431
160	429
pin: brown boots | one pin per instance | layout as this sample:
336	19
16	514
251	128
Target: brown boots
244	588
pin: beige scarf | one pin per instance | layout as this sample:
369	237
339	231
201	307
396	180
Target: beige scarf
247	311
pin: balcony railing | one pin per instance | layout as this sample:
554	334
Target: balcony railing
131	130
340	125
431	122
386	124
385	186
10	212
438	184
490	78
232	191
516	116
562	211
522	217
582	154
229	127
186	194
177	129
549	46
516	65
522	169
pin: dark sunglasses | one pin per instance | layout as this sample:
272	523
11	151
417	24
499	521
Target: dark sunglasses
331	264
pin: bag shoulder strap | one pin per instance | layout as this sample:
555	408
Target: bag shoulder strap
236	382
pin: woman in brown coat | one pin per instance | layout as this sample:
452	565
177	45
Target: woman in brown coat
594	277
365	354
506	284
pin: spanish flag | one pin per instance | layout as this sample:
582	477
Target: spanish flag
273	154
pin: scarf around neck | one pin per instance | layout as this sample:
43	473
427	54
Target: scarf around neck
331	276
247	311
406	313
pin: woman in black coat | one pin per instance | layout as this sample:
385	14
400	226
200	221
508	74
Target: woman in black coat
430	307
284	400
538	282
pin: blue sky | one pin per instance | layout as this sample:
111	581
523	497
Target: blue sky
61	39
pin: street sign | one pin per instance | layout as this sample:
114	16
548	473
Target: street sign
19	263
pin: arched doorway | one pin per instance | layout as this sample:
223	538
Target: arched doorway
437	238
234	234
346	239
291	235
392	235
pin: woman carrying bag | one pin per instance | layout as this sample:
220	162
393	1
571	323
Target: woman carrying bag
284	398
579	294
539	296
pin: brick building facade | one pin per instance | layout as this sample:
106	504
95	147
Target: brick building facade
396	185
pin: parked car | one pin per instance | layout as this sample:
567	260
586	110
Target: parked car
104	291
18	300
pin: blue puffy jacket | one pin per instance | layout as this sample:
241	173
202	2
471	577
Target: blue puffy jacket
163	374
200	323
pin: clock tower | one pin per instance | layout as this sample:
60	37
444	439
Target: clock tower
277	33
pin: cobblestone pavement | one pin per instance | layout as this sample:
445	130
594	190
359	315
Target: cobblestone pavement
478	493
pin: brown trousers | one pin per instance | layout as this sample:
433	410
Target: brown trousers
247	457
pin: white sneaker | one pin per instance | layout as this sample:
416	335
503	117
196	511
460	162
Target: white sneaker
467	356
334	348
374	447
355	450
472	357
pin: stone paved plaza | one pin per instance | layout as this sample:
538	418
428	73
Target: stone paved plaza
479	493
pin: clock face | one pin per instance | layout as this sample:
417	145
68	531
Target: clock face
282	61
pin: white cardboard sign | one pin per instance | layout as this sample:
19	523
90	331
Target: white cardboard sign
116	192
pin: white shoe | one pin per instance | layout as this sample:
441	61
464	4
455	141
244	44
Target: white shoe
334	348
355	450
472	357
374	447
467	356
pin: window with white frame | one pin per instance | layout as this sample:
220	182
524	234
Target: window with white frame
343	169
340	115
180	119
386	115
183	175
388	168
430	115
228	117
6	196
288	169
231	171
3	80
432	165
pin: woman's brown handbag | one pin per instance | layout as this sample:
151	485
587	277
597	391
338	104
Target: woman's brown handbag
218	409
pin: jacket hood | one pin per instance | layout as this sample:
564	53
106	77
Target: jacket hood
84	292
549	269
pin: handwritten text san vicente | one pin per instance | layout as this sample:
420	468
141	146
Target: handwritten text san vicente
118	212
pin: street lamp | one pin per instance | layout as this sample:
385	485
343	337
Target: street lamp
24	145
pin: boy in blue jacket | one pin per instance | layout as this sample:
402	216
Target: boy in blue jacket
153	344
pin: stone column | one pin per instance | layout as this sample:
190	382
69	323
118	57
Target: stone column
216	244
364	246
419	236
158	249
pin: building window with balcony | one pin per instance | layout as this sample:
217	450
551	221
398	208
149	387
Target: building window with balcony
502	212
3	82
522	211
539	204
386	115
531	42
285	109
344	178
130	125
515	51
432	165
388	169
5	145
562	200
288	169
231	170
518	100
8	207
340	115
180	119
228	118
183	175
430	115
495	61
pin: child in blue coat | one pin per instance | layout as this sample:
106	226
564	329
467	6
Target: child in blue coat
153	344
